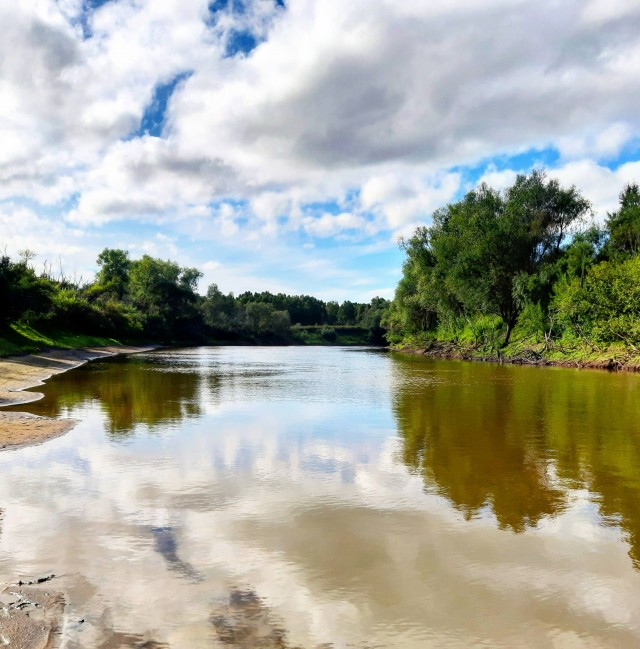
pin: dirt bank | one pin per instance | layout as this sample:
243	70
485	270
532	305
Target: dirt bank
21	372
621	360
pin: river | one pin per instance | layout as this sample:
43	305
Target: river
302	497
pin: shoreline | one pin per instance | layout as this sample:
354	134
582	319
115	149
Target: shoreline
19	373
623	362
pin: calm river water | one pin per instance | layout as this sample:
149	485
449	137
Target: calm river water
332	497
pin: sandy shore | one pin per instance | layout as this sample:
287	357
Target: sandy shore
21	372
31	614
31	617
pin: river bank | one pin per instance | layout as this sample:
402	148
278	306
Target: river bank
19	373
612	358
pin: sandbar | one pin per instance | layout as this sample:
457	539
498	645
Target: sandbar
17	373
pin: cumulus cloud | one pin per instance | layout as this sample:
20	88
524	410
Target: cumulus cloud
375	108
403	197
600	184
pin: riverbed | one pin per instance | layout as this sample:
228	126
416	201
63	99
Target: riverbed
331	497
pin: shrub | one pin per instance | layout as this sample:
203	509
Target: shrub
328	334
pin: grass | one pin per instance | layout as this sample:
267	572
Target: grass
20	339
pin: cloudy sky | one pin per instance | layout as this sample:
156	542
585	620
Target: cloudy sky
284	145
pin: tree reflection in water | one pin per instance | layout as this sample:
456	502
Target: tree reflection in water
131	391
518	439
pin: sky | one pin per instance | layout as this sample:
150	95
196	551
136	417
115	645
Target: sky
286	145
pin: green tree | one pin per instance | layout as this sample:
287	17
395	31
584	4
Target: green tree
23	294
259	316
347	313
582	253
605	305
624	225
114	270
165	293
486	248
221	312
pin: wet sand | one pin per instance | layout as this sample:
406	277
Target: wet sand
21	372
31	614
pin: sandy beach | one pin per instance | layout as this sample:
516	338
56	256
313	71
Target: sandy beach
21	372
31	614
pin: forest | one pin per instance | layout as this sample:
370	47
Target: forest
156	301
524	271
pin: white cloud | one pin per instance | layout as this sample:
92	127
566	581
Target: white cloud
329	225
604	144
366	105
499	180
599	184
597	11
403	197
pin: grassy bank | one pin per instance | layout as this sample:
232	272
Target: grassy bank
529	351
20	339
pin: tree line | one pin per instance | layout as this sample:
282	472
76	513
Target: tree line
157	300
528	259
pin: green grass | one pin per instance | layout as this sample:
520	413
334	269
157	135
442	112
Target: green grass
22	339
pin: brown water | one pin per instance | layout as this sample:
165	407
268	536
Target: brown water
307	497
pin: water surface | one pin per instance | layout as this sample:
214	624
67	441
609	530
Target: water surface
307	497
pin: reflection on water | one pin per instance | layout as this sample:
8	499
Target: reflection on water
301	497
167	546
246	623
519	440
131	391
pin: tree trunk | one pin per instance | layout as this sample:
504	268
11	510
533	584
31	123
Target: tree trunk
511	322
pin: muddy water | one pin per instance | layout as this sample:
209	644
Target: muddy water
301	497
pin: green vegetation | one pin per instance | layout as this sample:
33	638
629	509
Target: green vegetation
338	335
155	300
521	274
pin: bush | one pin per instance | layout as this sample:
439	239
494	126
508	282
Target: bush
532	322
74	313
484	331
328	334
606	306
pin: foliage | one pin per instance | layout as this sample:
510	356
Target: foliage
490	261
23	295
605	306
328	333
624	225
115	266
156	299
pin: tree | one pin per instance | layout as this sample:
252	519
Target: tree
488	253
22	292
421	299
347	313
165	293
220	311
582	253
114	270
258	316
331	310
624	225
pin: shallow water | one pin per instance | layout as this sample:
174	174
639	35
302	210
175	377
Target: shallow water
307	497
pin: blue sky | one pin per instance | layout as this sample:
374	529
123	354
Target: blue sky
286	146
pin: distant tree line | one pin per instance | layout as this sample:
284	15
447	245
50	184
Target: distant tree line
157	300
523	260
